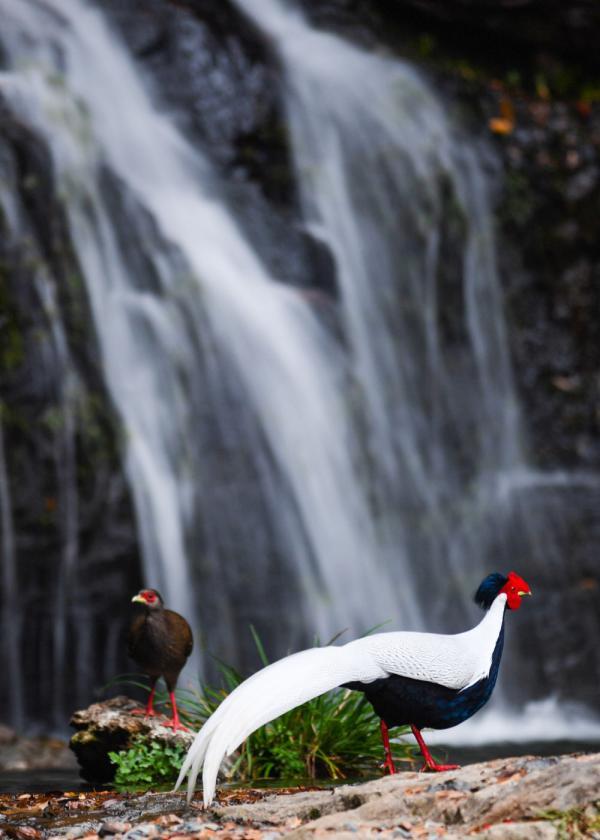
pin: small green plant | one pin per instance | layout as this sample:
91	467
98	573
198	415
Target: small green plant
147	763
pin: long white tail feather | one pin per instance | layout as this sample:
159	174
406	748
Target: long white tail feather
263	697
453	661
197	751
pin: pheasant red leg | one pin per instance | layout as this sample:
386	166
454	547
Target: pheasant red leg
175	722
149	710
389	761
429	760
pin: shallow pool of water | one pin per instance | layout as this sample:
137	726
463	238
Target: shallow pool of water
44	781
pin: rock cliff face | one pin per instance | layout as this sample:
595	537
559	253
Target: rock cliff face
538	25
71	553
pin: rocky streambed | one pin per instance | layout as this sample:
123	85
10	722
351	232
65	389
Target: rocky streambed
525	797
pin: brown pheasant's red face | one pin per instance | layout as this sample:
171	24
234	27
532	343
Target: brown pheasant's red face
147	597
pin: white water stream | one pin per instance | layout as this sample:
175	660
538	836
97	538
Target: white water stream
376	158
76	86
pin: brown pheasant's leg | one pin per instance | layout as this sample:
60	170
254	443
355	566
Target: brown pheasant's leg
429	762
388	764
149	710
175	722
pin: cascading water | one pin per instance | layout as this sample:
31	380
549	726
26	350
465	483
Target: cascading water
65	457
379	168
279	471
207	281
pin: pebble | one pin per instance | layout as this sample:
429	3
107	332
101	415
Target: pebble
168	820
113	827
142	830
75	832
582	183
109	804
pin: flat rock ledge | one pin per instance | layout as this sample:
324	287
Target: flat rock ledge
111	726
526	797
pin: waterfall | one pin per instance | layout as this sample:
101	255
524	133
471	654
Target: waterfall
384	176
205	291
313	476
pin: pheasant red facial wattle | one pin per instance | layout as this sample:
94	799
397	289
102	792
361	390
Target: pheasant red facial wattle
514	589
148	597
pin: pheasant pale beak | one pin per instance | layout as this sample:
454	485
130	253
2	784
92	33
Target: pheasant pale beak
137	599
525	593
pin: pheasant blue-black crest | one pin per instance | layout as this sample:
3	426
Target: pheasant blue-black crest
489	589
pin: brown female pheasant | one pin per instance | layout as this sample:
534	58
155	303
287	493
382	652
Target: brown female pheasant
160	642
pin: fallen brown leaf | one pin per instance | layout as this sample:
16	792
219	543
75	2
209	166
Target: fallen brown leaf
26	832
505	122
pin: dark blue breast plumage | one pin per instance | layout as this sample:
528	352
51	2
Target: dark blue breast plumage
401	701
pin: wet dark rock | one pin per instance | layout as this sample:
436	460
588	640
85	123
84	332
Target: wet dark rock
209	65
565	28
550	264
24	753
7	735
581	184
